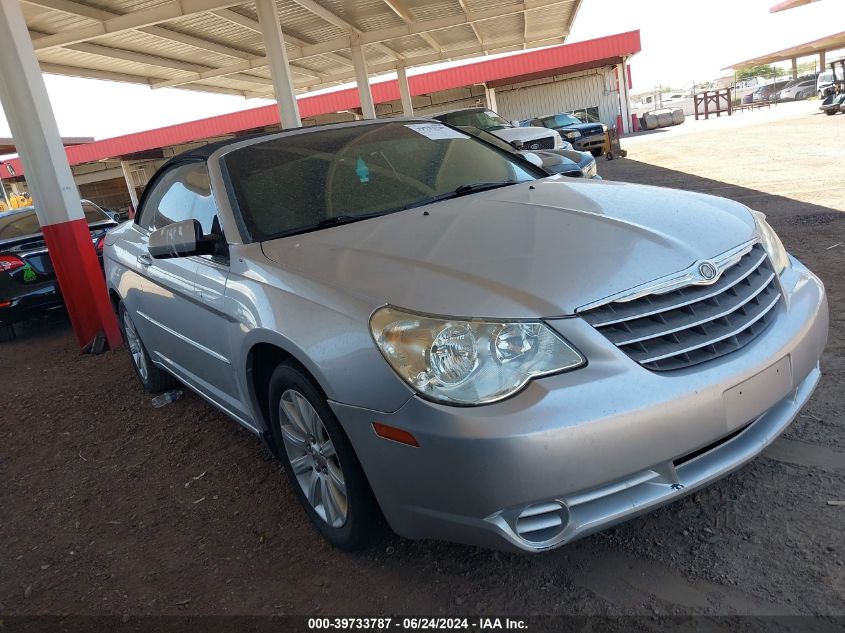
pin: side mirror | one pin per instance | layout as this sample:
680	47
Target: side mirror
181	239
515	123
533	159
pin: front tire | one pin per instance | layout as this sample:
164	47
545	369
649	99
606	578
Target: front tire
153	379
321	464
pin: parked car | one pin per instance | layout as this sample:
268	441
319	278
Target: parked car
532	138
28	285
802	88
745	87
569	163
585	137
833	103
825	81
423	326
769	92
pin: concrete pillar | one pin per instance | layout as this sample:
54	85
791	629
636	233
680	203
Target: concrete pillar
5	195
490	97
368	108
277	60
23	96
133	196
821	62
404	90
794	68
624	97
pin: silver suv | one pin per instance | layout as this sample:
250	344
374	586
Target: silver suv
423	326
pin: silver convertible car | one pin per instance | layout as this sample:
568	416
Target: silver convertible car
426	328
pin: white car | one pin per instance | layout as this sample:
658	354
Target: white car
525	138
824	82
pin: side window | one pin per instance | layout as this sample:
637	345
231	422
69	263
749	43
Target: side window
183	193
93	213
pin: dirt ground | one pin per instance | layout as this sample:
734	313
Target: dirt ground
109	506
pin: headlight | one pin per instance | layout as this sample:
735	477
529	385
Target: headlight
558	141
771	243
469	361
590	170
572	134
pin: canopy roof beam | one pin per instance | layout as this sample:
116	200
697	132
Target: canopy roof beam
376	69
381	35
170	10
248	23
400	9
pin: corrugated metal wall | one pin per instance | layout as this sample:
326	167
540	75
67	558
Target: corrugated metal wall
593	88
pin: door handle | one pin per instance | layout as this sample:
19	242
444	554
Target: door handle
145	260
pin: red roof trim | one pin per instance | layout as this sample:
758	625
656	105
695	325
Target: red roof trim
561	57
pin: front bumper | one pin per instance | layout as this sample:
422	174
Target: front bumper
589	143
584	450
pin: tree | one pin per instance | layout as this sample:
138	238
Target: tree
756	71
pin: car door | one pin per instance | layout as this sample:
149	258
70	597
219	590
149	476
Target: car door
167	291
179	329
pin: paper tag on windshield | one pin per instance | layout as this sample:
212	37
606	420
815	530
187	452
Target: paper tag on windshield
435	131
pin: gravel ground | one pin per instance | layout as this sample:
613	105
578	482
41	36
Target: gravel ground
110	506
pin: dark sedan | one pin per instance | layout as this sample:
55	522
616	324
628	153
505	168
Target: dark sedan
769	92
28	285
585	137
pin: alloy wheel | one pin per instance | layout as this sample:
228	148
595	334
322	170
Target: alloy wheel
134	342
313	459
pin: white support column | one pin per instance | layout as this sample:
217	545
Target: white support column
277	60
490	96
368	108
624	97
133	196
23	96
404	90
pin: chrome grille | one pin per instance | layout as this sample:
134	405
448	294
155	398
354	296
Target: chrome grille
695	323
547	142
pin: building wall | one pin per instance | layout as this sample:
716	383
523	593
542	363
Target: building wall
562	93
111	193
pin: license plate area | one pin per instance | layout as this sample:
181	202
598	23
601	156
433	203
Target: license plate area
758	394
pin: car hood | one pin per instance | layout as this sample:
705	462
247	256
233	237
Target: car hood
536	249
586	129
511	134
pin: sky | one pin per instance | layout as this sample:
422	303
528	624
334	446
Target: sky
682	41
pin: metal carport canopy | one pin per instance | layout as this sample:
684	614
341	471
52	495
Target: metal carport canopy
819	46
217	45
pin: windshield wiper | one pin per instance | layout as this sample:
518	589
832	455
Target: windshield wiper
337	220
463	190
480	186
460	191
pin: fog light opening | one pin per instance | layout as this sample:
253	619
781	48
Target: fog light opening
542	522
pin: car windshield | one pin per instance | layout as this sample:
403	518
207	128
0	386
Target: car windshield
93	213
17	224
559	120
307	181
482	119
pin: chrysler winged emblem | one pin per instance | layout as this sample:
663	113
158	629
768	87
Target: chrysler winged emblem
707	271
